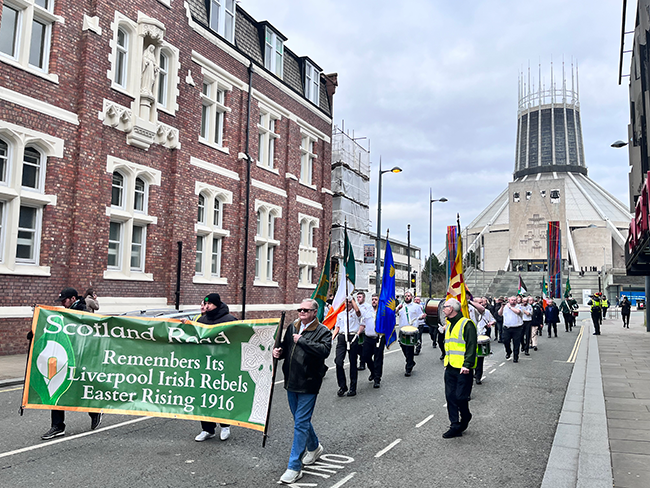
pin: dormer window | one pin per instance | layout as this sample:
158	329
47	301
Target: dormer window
312	83
222	18
274	53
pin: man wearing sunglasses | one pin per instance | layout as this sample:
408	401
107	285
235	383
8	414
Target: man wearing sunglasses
306	345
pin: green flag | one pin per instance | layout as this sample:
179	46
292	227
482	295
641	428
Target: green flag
320	293
350	265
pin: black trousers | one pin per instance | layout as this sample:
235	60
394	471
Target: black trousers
512	334
596	318
525	335
58	418
409	354
478	371
552	325
626	319
353	356
372	353
437	338
458	388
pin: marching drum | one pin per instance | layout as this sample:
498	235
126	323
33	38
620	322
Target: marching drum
433	310
483	346
408	335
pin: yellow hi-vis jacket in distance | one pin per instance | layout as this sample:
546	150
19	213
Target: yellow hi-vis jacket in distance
595	304
455	344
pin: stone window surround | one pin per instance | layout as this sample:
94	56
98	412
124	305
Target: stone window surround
307	254
13	194
210	230
216	82
127	216
262	240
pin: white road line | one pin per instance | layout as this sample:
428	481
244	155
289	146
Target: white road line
72	437
424	422
444	405
502	363
344	480
388	448
483	377
490	372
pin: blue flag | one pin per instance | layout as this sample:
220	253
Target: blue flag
387	303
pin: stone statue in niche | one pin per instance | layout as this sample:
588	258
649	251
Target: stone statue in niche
150	71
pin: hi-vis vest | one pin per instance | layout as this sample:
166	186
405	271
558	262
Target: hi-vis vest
455	344
594	304
605	304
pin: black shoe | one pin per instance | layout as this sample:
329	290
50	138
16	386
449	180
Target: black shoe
508	356
361	367
352	393
515	360
95	420
417	351
535	348
452	433
442	356
371	377
463	425
377	383
556	336
408	373
478	381
55	431
526	353
342	391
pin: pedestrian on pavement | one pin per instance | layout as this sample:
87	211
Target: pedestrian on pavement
306	345
625	312
460	360
69	298
604	306
513	325
596	313
92	303
216	312
346	332
552	317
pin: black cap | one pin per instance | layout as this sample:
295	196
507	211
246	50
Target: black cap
67	293
213	298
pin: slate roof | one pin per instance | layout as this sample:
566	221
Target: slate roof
249	40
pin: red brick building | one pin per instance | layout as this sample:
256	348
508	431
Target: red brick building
126	132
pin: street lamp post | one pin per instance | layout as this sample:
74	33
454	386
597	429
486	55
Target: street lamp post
395	169
431	200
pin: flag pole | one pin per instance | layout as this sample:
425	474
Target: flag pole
345	263
278	343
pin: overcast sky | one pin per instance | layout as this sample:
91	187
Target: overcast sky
433	85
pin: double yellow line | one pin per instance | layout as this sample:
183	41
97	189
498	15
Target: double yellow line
576	346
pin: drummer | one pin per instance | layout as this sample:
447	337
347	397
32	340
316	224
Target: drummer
484	321
409	314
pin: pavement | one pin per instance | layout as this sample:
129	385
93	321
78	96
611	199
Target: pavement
603	433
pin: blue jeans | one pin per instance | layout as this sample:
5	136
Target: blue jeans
302	407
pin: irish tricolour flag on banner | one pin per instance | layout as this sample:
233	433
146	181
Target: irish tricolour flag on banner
347	277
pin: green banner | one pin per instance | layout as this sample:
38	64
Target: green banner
156	367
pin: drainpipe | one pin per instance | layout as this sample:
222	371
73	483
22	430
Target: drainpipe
248	191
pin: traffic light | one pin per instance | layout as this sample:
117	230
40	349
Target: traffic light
414	276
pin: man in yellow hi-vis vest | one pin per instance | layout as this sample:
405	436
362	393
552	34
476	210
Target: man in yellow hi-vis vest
460	360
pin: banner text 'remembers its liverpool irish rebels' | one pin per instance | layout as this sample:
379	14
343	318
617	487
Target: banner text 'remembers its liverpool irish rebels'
87	362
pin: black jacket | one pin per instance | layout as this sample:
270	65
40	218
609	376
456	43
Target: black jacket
538	315
304	361
218	316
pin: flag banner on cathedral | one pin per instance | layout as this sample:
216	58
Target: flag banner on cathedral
554	260
85	362
452	245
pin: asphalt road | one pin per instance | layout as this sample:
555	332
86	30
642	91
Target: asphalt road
389	437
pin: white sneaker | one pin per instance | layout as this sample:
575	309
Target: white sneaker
225	433
311	457
203	436
291	476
